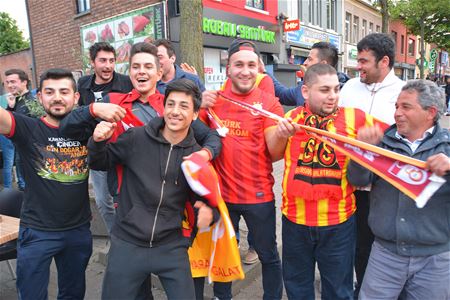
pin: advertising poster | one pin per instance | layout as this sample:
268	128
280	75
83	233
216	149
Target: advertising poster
122	31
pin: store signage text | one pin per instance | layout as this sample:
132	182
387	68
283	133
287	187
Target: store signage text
291	25
218	27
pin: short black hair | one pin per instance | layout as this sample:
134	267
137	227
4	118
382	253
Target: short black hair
144	47
21	73
188	87
327	52
381	44
100	46
317	70
57	74
167	44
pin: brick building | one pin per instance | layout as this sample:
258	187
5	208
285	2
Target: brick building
405	51
17	60
55	28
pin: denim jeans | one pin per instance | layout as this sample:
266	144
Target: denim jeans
71	250
103	199
260	219
19	171
8	160
332	247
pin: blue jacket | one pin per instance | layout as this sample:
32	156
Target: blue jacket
179	73
293	96
398	225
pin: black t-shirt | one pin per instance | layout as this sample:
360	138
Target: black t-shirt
100	90
56	172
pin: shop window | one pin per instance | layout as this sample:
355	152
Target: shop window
83	6
258	4
331	14
411	47
394	36
348	18
355	29
402	44
364	28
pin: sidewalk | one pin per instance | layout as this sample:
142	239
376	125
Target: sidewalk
249	288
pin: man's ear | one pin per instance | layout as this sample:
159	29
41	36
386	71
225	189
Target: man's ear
305	90
432	112
384	61
39	95
76	97
195	116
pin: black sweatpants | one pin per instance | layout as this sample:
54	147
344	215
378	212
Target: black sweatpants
130	265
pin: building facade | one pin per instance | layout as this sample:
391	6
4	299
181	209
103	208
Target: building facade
360	18
405	50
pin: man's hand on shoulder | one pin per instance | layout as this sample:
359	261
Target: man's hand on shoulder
209	98
108	111
103	131
439	164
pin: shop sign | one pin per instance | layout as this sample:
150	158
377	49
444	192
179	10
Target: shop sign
353	54
444	58
433	56
233	30
212	76
122	31
291	25
425	62
307	37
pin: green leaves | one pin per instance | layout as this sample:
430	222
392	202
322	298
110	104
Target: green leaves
434	16
11	39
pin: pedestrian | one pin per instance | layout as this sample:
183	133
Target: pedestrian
318	202
320	53
152	197
411	251
244	166
55	216
375	92
93	88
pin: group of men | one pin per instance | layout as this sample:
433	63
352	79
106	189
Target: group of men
135	139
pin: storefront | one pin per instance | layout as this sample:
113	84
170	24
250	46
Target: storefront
350	61
299	42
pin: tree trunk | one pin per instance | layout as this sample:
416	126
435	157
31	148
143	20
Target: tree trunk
191	34
384	16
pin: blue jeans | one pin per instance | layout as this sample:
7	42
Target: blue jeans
332	247
71	250
8	160
19	172
260	219
103	199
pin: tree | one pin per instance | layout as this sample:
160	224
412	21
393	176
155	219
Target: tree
191	34
384	10
429	19
11	39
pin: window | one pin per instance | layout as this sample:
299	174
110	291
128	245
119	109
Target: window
364	28
394	36
378	29
402	44
331	14
312	11
259	4
411	47
348	18
83	5
370	27
355	29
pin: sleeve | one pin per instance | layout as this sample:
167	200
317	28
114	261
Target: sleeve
79	124
267	85
344	95
288	96
103	156
207	137
200	84
21	127
357	175
276	108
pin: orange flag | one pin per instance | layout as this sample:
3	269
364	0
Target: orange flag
214	252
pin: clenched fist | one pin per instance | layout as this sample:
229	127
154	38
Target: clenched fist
103	131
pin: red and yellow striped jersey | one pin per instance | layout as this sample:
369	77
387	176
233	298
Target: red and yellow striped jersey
244	165
315	187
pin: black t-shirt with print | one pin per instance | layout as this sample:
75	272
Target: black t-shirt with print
56	172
